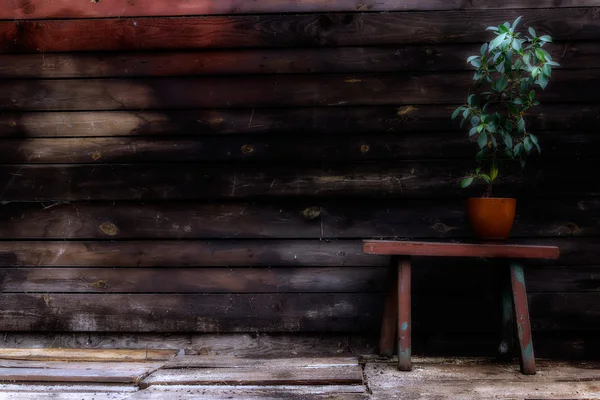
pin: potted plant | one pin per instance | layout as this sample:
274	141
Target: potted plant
508	70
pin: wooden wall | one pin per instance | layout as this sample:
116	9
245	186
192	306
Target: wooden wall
211	166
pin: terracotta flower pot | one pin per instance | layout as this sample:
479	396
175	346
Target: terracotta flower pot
491	218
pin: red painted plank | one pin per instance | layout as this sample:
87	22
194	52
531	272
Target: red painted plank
40	9
286	30
437	249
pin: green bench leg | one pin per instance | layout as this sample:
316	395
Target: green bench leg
404	328
521	311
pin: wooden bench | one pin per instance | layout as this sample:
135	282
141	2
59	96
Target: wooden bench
397	318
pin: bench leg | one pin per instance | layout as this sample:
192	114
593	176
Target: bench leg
521	311
390	315
404	319
506	348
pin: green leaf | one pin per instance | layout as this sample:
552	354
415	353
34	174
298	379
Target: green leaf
501	83
474	120
553	63
491	28
540	55
483	140
494	143
478	170
473	131
535	72
472	100
497	41
516	44
521	125
503	28
526	58
517	149
456	112
518	102
522	163
534	140
546	39
472	58
466	113
514	25
531	95
483	49
507	140
542	81
466	182
527	144
493	172
486	178
532	32
547	70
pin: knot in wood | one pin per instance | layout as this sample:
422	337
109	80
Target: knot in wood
247	149
311	213
364	148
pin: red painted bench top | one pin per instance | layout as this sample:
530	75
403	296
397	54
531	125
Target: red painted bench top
441	249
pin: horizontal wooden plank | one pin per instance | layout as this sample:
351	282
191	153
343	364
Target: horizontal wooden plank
98	392
218	392
97	372
39	9
193	280
428	277
247	376
319	120
187	253
277	312
332	148
287	219
452	57
93	355
270	90
194	361
358	29
439	249
409	179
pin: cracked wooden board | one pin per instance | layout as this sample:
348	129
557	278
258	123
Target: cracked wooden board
66	354
333	392
90	372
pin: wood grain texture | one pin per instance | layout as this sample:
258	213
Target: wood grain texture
270	91
309	148
217	392
350	312
195	361
39	9
427	276
343	375
409	179
186	253
440	249
578	55
299	30
96	372
284	121
193	280
89	355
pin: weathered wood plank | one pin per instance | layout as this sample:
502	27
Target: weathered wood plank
121	355
193	361
270	91
451	57
97	372
286	30
428	277
343	375
408	179
29	391
439	249
218	392
38	9
388	146
247	345
295	312
194	280
190	313
239	253
329	120
186	253
491	390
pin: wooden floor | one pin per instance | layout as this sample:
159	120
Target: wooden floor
103	374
